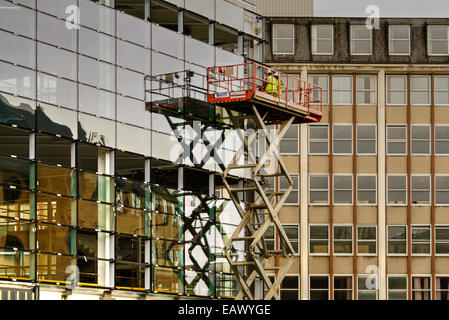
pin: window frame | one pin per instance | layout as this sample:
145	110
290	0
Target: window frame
390	40
412	189
297	254
442	140
365	290
358	189
445	226
310	190
365	90
343	240
364	240
351	140
439	275
427	290
352	40
344	290
325	92
387	89
428	140
439	90
328	240
406	240
314	38
341	76
335	189
375	138
274	39
397	290
297	139
435	190
429	93
328	284
318	140
421	241
403	126
388	188
429	39
292	175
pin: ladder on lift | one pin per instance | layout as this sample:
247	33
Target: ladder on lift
240	89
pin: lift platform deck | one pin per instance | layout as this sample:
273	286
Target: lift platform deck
240	86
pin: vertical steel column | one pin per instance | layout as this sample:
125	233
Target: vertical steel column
331	193
409	192
354	181
432	183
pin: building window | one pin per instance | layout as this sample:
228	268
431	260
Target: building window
289	287
269	237
289	144
441	140
366	89
342	240
318	139
397	240
319	239
321	81
292	232
366	139
397	288
323	39
399	40
420	240
366	190
441	90
438	40
366	287
397	190
397	90
420	139
420	90
283	39
293	197
420	288
442	288
442	190
342	287
342	90
420	190
343	189
319	288
442	240
342	139
367	240
319	190
396	140
361	40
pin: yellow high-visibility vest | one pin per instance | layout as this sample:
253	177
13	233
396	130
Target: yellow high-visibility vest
274	85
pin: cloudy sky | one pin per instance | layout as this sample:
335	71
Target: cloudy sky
387	8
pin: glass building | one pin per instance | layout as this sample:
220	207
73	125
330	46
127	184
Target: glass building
109	154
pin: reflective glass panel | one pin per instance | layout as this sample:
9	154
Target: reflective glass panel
167	253
17	19
52	268
130	249
133	57
127	26
57	239
53	209
129	276
93	215
132	221
167	280
16	234
17	80
96	130
199	283
56	91
17	49
56	61
97	45
15	264
97	102
97	17
16	172
126	139
55	32
58	8
130	83
18	111
96	73
229	14
132	194
56	120
96	187
56	180
166	226
133	111
15	203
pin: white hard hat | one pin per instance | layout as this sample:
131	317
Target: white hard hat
276	74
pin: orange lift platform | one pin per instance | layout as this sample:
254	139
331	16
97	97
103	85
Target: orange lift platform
244	92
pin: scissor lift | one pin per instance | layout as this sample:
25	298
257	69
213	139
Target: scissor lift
240	90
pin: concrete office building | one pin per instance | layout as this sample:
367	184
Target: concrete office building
106	178
373	176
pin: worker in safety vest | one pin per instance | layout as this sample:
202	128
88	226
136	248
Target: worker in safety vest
274	84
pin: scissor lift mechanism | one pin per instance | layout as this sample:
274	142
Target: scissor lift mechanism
241	89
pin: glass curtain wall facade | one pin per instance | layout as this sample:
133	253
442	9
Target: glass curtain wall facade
97	174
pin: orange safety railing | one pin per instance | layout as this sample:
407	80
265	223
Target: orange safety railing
243	81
